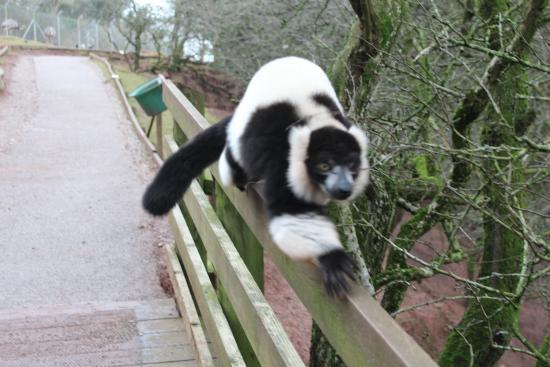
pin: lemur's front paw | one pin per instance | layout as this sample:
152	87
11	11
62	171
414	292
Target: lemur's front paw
335	266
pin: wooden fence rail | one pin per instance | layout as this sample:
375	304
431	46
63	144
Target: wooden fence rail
362	333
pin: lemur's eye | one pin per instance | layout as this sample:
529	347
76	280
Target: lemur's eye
323	167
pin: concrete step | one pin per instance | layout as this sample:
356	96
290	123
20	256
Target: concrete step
141	333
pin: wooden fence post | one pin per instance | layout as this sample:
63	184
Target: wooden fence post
252	254
159	135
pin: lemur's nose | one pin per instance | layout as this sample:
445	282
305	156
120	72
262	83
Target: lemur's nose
341	194
341	183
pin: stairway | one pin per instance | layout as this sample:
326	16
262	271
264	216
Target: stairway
142	333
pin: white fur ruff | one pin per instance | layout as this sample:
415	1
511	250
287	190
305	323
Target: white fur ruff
226	173
304	236
297	175
363	177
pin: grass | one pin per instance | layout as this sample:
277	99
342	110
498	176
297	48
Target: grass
16	41
131	81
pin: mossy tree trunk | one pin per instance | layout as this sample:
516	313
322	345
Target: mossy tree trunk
489	324
137	51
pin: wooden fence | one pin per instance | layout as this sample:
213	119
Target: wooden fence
221	234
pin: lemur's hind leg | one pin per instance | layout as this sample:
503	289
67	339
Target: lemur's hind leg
231	172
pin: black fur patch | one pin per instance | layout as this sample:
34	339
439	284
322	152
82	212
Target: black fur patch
335	266
239	176
182	167
265	151
324	100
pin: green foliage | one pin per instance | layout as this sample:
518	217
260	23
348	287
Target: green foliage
424	167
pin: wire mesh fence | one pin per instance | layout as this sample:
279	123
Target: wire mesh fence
57	30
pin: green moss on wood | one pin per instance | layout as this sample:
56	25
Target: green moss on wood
378	207
245	242
238	332
424	168
339	73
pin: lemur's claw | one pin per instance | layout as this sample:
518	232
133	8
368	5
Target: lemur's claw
335	265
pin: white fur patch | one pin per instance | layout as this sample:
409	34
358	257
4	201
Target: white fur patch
361	138
304	236
290	79
226	173
297	175
363	177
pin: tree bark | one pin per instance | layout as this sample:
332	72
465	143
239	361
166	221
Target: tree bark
488	323
137	51
176	41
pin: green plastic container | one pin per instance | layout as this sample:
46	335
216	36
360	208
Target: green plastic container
149	97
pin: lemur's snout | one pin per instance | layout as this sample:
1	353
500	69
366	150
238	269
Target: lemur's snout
341	194
339	183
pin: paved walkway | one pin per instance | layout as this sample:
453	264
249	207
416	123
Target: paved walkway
72	231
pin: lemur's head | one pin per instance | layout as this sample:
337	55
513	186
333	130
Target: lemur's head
328	163
333	161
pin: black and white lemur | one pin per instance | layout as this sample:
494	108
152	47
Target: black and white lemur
288	131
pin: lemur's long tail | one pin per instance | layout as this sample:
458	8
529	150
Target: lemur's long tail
182	167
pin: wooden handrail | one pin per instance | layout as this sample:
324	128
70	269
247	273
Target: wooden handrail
359	329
